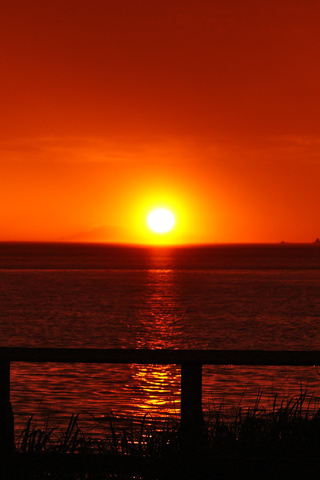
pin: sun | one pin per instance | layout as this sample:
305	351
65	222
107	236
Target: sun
161	220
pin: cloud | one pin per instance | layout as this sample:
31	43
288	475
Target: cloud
93	149
65	149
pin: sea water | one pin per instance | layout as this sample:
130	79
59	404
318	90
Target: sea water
107	296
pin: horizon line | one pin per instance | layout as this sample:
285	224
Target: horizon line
154	245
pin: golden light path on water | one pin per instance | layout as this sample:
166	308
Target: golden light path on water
159	385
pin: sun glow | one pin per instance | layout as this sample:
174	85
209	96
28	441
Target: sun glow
161	220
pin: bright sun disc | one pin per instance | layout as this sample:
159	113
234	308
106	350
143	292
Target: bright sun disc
160	220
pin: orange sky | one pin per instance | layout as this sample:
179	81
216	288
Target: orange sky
112	108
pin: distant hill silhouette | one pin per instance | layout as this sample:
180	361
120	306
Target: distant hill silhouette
104	233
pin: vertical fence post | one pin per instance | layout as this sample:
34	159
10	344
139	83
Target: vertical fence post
191	400
6	415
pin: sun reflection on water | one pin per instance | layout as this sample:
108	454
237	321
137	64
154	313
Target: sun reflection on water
160	313
156	388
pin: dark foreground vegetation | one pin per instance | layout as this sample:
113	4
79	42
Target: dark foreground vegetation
252	443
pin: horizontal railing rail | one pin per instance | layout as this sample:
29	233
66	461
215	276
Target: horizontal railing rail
162	356
191	362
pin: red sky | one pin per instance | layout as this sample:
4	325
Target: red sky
112	108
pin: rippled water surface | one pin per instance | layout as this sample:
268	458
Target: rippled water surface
221	297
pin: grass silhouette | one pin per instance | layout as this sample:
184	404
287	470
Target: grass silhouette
253	442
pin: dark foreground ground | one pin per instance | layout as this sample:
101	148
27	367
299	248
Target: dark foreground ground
102	467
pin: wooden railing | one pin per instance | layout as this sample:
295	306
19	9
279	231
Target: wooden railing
191	362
